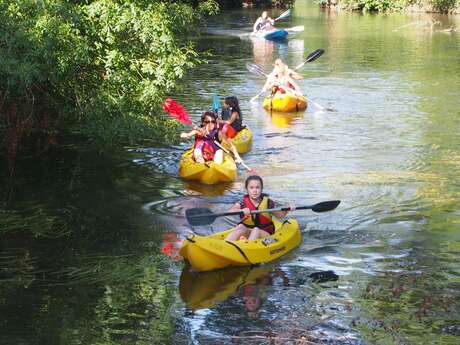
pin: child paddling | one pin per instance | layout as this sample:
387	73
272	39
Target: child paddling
254	226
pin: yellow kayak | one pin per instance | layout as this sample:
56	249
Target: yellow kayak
204	289
285	103
209	172
243	140
206	253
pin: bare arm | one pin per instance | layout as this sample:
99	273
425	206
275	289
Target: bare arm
236	207
296	86
254	28
281	214
294	75
232	118
187	135
224	139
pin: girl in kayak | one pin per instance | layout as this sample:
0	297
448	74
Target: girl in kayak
264	22
281	80
207	141
232	120
279	64
255	225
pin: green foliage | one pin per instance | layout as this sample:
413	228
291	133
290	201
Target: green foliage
444	6
103	62
261	3
375	5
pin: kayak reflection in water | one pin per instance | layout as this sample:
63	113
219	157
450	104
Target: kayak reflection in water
264	23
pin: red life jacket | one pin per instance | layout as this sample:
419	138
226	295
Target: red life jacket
261	220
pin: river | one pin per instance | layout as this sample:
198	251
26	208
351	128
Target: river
381	135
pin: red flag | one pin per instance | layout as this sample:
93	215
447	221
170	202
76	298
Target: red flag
177	111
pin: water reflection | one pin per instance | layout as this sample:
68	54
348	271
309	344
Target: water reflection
283	120
263	51
200	290
206	289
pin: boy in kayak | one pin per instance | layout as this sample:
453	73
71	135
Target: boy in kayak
254	226
232	119
264	23
207	141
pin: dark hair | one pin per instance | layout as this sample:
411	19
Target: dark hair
210	114
254	178
232	101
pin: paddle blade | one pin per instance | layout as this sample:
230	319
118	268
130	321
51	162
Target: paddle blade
299	28
177	111
314	55
255	69
284	15
215	103
199	216
325	206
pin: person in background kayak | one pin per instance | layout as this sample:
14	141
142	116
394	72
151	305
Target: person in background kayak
281	80
232	119
280	65
254	226
207	140
264	23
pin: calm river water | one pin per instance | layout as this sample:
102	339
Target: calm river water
380	269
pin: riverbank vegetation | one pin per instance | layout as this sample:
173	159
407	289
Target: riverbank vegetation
435	6
97	69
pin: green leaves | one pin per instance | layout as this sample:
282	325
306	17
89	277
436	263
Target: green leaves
99	61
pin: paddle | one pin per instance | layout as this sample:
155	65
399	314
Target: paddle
283	15
299	28
204	216
311	57
215	103
177	111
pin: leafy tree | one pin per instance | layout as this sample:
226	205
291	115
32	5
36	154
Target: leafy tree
99	69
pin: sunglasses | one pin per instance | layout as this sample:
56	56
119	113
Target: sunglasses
212	121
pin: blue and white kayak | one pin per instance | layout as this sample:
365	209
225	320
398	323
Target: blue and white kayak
277	34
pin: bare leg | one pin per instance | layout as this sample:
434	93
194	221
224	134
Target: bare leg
239	230
257	233
198	155
219	157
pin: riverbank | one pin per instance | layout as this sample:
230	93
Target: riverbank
407	6
424	6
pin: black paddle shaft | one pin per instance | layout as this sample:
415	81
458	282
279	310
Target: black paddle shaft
204	216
